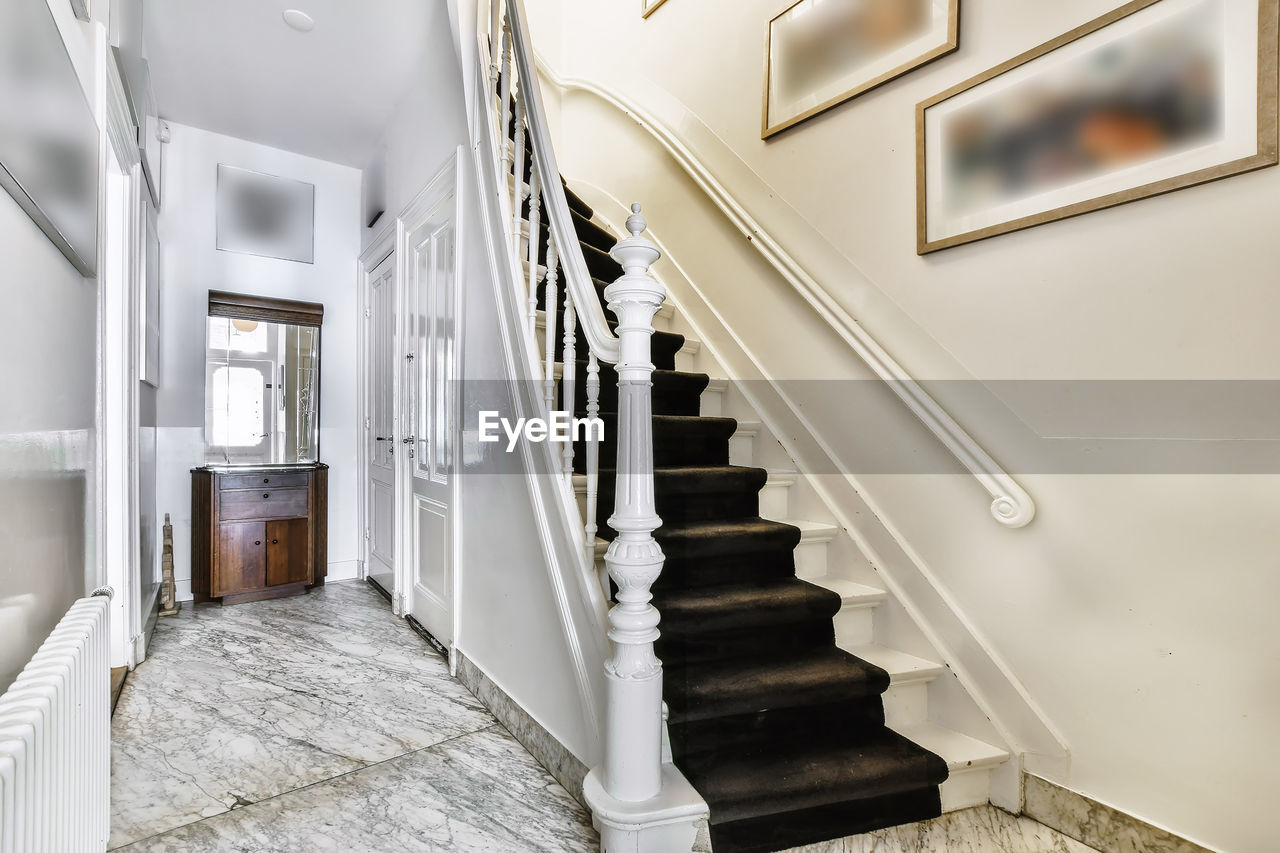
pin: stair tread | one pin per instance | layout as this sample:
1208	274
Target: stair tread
814	530
745	786
960	751
901	666
729	527
733	607
754	685
851	593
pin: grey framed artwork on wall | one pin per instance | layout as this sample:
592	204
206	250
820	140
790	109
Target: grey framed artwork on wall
265	215
821	53
1153	97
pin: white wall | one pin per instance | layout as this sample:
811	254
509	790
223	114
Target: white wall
191	266
509	623
48	358
1135	610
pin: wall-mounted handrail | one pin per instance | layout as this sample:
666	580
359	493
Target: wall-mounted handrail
1011	505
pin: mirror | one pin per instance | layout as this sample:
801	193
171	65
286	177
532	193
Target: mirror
262	381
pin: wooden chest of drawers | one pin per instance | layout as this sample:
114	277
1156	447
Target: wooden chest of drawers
257	532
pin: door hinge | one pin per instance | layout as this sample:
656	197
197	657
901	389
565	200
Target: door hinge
366	533
368	312
368	422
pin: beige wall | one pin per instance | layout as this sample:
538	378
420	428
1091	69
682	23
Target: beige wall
1135	610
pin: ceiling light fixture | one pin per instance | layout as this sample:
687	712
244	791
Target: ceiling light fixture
299	20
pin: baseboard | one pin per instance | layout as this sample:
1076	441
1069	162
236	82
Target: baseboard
566	767
1097	824
344	570
118	676
379	588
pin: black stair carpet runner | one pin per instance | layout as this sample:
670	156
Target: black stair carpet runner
780	731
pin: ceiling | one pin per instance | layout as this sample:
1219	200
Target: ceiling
234	67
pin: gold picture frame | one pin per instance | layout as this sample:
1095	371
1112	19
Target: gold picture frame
648	7
942	38
934	232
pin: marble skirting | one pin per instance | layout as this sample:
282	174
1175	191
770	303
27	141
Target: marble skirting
566	767
1098	825
981	830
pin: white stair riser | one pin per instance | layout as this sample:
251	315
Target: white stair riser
712	403
965	789
855	626
686	361
742	448
906	704
811	559
775	501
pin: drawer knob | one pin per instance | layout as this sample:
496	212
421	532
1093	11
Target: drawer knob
257	542
275	541
266	479
266	495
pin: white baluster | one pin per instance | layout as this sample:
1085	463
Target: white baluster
549	310
535	239
593	468
518	194
633	725
504	95
495	13
568	384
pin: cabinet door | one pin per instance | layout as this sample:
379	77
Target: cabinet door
242	557
288	551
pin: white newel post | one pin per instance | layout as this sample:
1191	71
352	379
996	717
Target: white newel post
640	806
633	749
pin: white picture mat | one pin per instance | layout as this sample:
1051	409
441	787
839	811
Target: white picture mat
1240	104
782	110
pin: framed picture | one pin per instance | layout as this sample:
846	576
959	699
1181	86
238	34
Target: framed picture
820	53
265	215
1154	97
648	7
48	134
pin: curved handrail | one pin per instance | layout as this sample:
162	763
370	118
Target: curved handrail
577	278
1011	505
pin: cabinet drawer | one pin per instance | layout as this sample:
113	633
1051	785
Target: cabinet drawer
263	480
264	503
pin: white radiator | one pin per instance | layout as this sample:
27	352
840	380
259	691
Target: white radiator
55	748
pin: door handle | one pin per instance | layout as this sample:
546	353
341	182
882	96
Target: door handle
383	438
258	542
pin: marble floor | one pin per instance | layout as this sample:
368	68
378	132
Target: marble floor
319	723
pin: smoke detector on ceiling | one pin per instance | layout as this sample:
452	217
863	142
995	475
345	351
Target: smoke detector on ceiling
299	20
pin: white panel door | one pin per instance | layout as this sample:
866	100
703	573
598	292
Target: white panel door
380	500
430	412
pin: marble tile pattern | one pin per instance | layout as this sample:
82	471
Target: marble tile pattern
478	792
566	767
981	830
235	706
1105	828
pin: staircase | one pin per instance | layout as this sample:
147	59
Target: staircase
784	713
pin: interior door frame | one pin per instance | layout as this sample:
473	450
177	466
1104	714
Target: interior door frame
122	248
380	248
450	177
